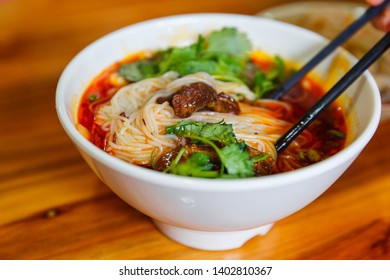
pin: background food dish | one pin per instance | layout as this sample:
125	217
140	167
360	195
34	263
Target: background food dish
328	19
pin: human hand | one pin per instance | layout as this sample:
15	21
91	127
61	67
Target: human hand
381	22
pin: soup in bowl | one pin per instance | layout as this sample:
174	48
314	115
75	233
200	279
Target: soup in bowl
172	114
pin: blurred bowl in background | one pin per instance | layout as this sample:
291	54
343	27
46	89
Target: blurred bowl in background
329	19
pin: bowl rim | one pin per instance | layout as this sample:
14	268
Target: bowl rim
218	185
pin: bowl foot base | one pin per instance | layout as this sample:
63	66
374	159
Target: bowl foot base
209	240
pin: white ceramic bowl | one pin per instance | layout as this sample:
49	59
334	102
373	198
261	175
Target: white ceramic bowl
214	214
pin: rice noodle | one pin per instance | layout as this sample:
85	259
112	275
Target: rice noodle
136	123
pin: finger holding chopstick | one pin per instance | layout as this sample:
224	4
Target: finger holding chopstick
382	21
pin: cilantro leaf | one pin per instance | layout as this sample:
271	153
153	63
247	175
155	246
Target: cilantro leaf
236	160
197	165
233	156
278	70
138	70
195	66
229	41
173	59
262	85
219	132
229	66
222	53
93	97
264	82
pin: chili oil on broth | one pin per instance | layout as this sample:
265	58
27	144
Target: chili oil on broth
311	146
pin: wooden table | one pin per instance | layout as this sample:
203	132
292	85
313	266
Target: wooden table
53	207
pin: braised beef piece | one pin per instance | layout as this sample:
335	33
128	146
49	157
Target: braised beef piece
191	98
165	160
162	99
264	167
198	96
224	103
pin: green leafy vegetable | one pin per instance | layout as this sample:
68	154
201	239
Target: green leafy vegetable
194	66
93	97
260	158
271	80
220	132
236	160
138	70
262	85
336	133
223	52
197	165
278	70
234	157
230	42
313	155
175	59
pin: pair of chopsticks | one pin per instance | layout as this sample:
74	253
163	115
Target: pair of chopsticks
358	69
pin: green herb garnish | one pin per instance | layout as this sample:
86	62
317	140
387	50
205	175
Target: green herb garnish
138	70
233	155
223	52
220	132
264	83
197	165
93	98
336	133
313	155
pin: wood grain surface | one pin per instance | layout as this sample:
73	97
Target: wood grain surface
52	206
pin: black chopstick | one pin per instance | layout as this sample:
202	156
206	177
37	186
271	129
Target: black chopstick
339	40
370	57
